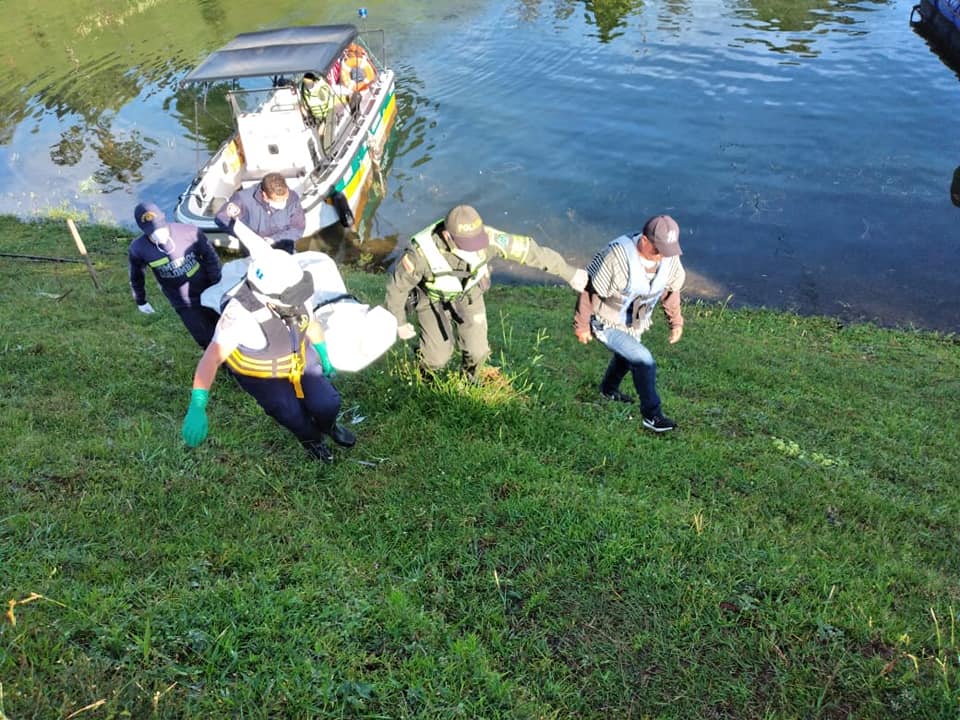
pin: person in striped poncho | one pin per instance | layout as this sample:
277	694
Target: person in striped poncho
628	278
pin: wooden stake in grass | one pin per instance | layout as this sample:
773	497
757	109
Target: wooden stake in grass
83	252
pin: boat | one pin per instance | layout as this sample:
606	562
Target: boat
939	22
330	167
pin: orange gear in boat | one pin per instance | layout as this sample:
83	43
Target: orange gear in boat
356	70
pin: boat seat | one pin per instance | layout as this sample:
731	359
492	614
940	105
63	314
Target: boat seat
215	204
252	177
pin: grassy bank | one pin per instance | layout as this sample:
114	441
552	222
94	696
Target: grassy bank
520	552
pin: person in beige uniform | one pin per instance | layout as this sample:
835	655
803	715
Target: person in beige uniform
443	276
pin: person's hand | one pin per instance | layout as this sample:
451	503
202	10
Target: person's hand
328	369
232	210
579	280
194	430
675	334
146	309
584	336
405	331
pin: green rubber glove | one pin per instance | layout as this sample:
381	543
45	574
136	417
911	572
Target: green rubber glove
328	369
194	430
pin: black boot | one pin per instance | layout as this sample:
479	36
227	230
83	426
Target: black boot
318	450
341	436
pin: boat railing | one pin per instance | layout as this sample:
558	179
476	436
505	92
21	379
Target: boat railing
377	50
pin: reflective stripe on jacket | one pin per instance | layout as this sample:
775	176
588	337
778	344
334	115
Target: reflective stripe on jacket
284	355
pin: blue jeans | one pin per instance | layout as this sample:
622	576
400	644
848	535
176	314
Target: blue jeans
629	354
308	417
200	321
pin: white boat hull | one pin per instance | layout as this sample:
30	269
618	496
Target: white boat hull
276	138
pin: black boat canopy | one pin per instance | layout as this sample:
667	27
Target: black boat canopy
275	52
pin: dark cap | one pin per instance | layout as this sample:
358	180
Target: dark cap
310	76
664	233
149	217
465	226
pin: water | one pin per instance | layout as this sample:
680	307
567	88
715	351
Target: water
805	146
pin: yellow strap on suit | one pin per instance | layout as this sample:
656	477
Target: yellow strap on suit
289	366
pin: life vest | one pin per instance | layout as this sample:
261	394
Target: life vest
633	306
318	98
285	353
444	282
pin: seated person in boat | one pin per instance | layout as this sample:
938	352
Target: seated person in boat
271	209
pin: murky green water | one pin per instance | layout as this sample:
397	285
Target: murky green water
805	146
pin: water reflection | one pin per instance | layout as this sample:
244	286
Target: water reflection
82	69
69	150
939	32
794	137
121	154
205	115
95	70
88	103
808	21
122	158
803	15
769	18
610	16
214	14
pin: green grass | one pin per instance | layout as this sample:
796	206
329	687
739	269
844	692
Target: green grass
518	552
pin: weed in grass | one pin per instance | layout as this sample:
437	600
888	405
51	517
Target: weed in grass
698	523
947	657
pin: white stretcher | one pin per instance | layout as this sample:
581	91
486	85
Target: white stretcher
356	334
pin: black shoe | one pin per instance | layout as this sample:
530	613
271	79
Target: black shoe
659	423
318	450
615	395
341	436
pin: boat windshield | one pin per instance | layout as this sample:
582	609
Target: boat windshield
274	99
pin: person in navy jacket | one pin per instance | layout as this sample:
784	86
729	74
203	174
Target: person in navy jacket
184	263
271	209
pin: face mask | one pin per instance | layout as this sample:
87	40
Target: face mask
277	204
161	236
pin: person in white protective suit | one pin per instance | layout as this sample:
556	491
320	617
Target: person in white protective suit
270	340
